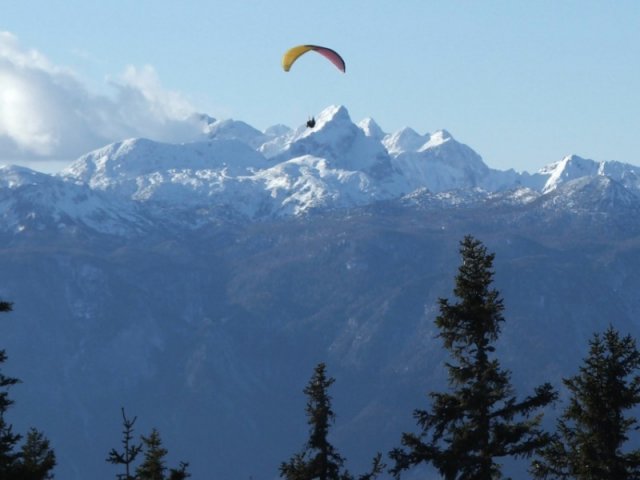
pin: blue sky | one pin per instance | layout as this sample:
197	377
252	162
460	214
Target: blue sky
523	83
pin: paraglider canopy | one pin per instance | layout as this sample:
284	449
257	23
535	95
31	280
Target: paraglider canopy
294	53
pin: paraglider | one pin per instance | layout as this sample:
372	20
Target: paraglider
291	55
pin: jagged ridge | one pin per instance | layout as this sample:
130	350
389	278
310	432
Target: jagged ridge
337	164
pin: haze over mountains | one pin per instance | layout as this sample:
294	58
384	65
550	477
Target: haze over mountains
198	284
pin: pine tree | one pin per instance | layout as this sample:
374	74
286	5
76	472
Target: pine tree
37	459
153	467
593	429
480	419
130	451
179	473
8	439
319	459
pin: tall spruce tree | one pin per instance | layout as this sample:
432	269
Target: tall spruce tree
153	466
129	450
480	420
593	429
319	459
35	460
8	439
179	473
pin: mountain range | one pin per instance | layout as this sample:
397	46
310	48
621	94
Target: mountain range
198	284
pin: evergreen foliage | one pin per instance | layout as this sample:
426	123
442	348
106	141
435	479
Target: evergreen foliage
8	439
35	460
593	428
179	473
319	459
153	467
480	420
129	452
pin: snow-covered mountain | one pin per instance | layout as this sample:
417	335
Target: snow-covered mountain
198	284
573	167
35	201
241	171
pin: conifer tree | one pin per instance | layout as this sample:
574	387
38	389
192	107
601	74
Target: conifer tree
153	466
480	419
179	473
319	459
593	429
37	459
130	451
8	439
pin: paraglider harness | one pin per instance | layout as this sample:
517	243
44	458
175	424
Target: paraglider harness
311	122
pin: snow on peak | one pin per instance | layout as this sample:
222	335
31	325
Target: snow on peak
336	114
573	167
408	140
277	131
31	200
371	129
14	176
336	163
595	193
236	130
438	162
338	140
570	168
404	140
437	138
133	166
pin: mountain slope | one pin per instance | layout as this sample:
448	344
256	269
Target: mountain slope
31	201
211	334
197	285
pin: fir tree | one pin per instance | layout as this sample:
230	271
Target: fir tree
130	451
593	429
8	439
179	473
480	420
37	459
319	459
153	467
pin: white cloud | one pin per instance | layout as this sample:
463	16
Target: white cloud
47	113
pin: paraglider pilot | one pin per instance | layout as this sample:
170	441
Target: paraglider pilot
311	122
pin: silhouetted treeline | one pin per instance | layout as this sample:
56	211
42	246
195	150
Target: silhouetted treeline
33	459
152	466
